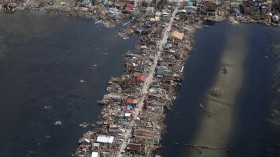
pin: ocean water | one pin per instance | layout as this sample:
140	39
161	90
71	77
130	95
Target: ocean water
254	132
52	68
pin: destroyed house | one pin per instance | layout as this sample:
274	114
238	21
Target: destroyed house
150	10
149	137
85	3
114	80
163	71
128	7
116	128
264	8
130	101
177	35
246	8
127	108
188	10
140	78
207	7
135	148
246	4
105	139
95	154
148	2
120	4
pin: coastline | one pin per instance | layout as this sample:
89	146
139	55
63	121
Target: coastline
122	114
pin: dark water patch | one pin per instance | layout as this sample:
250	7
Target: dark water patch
200	71
253	134
209	22
255	131
249	110
52	68
273	146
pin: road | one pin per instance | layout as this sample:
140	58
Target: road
147	83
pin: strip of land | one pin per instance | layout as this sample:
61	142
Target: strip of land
132	118
147	83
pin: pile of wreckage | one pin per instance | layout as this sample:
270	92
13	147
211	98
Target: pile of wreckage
108	12
265	12
118	114
9	6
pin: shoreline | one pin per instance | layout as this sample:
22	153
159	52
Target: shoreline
132	119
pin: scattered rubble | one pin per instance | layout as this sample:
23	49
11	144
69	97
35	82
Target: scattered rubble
264	12
129	109
85	125
132	117
112	12
136	103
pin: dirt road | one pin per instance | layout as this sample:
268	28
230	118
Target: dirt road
147	83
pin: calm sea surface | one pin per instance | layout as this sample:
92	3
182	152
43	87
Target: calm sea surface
52	68
255	132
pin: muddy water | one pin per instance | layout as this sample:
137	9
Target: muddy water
237	121
52	68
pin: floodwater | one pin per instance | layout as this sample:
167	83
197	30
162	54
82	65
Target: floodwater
52	68
238	120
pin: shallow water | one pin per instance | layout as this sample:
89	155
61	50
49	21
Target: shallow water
52	68
250	132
